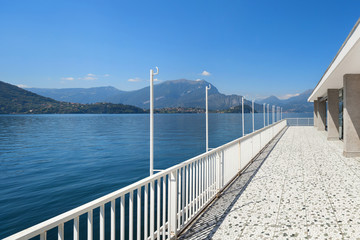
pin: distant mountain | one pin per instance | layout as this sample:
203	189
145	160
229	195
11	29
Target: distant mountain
180	93
294	104
78	95
15	100
169	94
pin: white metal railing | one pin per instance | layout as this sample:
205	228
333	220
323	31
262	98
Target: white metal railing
300	121
161	205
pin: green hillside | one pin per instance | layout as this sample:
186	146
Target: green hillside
15	100
238	109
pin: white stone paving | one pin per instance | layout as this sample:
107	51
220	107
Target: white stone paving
305	189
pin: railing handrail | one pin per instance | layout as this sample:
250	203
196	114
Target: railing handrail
309	121
71	214
299	118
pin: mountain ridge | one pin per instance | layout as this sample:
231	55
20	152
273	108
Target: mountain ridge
180	93
293	104
15	100
172	93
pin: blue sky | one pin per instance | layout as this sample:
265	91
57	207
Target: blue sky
253	48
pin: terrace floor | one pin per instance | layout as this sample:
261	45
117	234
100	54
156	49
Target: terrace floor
300	187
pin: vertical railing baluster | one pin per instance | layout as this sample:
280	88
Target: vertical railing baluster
197	185
76	229
61	231
173	203
213	179
152	209
43	236
222	170
131	217
208	177
213	175
112	220
122	217
169	205
183	194
201	182
89	225
179	197
158	207
217	172
193	190
190	190
214	172
138	217
205	179
102	223
146	199
187	193
164	207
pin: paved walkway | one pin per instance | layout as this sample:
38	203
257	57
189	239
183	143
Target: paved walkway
304	189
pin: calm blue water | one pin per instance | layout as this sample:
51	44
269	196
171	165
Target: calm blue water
50	164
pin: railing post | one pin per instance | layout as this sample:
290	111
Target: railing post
297	122
172	205
218	172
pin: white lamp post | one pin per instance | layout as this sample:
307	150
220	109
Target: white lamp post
152	74
242	115
207	117
273	113
253	116
264	112
268	114
278	113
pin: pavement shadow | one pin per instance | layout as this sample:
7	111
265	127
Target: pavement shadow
208	223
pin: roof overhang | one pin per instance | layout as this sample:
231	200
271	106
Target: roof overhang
346	61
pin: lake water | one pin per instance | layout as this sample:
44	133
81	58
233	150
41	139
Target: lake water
50	164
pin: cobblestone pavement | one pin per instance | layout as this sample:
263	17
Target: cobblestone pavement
305	189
